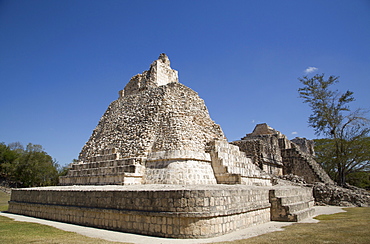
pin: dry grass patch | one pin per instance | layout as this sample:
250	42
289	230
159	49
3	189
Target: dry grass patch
352	226
23	232
4	198
14	232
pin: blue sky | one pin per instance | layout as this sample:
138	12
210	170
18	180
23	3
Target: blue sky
63	62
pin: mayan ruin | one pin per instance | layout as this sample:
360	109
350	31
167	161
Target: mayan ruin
157	164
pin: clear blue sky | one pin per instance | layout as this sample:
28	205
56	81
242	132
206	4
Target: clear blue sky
63	62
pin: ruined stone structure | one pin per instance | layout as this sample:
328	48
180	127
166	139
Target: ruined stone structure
276	154
157	164
262	145
159	132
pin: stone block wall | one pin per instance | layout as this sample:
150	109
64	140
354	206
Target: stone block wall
179	167
304	145
264	152
263	147
159	210
292	204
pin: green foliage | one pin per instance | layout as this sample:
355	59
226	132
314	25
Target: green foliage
359	179
27	167
331	115
64	171
325	152
345	148
355	158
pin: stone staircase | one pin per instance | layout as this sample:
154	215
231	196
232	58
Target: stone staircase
105	169
231	166
321	174
317	172
291	203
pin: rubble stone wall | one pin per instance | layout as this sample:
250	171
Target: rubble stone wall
154	113
167	117
329	194
305	146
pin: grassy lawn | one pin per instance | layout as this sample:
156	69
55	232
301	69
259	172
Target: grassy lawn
352	226
4	198
15	232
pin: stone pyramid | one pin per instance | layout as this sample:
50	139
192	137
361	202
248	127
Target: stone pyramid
157	132
153	113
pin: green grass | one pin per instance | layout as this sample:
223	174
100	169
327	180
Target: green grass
352	226
15	232
23	232
4	198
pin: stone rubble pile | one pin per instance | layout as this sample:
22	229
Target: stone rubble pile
293	178
329	194
326	194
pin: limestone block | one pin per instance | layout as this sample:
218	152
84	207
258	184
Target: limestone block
150	209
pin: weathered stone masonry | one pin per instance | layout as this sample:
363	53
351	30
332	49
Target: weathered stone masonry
275	154
167	211
166	169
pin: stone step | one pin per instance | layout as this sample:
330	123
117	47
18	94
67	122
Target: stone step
229	161
288	205
304	214
286	200
293	191
298	206
319	171
104	171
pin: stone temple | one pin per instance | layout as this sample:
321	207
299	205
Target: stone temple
157	164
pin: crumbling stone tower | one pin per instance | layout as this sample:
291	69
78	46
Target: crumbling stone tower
159	132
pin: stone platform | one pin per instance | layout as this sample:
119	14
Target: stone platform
157	164
160	210
176	211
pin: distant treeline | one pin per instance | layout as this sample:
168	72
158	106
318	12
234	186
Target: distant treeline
27	166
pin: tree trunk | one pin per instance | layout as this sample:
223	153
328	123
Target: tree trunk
341	176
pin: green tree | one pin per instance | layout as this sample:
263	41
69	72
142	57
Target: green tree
360	179
63	171
344	148
356	152
29	167
8	158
